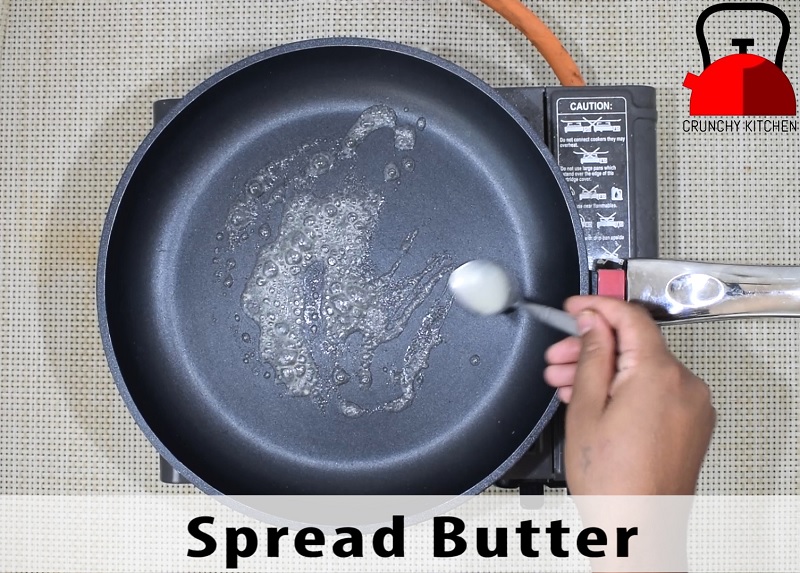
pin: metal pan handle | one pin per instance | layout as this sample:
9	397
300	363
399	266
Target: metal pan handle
683	291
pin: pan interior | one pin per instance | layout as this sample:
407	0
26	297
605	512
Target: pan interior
200	366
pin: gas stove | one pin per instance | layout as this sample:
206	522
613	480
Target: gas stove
604	141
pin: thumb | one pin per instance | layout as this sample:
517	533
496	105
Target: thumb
596	365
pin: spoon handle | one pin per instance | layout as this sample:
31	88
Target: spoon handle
558	319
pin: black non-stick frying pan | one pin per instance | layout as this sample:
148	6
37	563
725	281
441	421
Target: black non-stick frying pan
271	282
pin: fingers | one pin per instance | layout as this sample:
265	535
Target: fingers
558	375
562	358
596	367
635	329
625	335
566	351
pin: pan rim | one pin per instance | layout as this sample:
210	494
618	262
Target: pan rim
219	77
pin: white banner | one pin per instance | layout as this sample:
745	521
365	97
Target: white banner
194	532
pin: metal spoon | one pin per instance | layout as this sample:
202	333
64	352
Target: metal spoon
485	288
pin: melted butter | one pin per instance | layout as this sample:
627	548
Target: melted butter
314	284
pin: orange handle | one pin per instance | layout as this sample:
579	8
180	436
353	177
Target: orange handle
541	37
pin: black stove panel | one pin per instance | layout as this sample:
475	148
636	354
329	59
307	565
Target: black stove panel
604	140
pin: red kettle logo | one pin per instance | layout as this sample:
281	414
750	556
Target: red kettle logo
741	84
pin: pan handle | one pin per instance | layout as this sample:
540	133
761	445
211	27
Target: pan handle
684	291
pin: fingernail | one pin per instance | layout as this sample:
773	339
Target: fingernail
585	321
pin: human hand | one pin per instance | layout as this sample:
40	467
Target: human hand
638	421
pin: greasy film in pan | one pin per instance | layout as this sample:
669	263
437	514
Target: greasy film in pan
321	306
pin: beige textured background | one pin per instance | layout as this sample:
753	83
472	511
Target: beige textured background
77	81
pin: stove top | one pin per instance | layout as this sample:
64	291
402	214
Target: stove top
604	141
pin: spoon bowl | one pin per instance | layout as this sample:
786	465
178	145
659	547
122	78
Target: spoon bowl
484	287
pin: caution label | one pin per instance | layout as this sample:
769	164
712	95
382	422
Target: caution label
592	151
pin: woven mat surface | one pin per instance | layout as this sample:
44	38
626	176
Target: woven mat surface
78	80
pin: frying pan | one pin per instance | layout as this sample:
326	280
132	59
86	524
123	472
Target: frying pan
455	173
270	277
